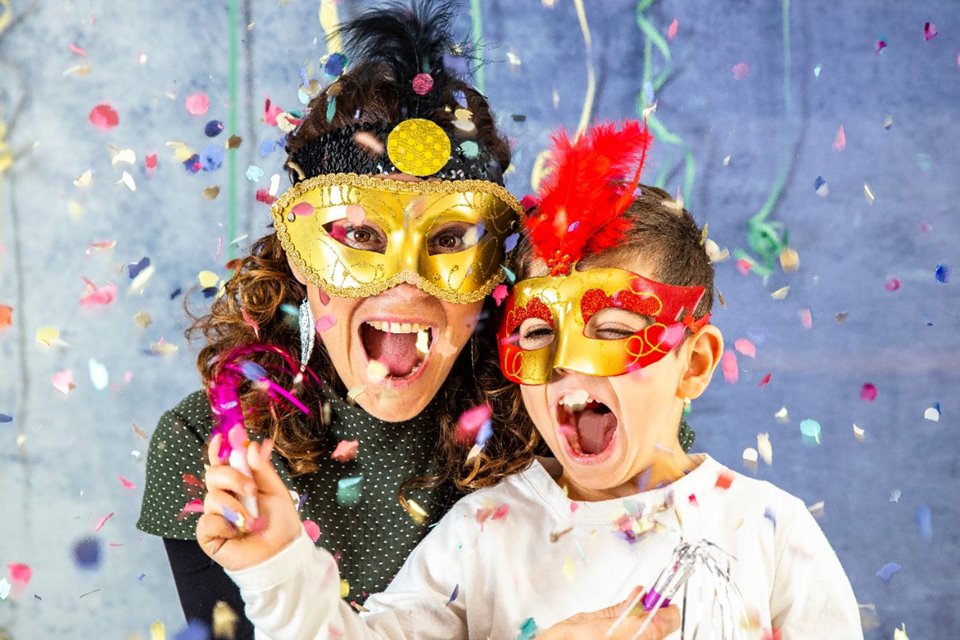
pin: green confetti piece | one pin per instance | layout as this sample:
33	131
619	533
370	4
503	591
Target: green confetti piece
349	491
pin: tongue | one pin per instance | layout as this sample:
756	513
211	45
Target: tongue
595	430
396	351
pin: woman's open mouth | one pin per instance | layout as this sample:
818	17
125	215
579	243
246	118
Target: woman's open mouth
401	347
587	427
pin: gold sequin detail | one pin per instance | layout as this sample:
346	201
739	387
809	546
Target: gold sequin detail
418	147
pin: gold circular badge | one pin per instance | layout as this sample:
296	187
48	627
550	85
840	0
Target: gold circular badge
418	147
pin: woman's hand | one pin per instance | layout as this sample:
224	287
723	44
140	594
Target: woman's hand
226	531
593	625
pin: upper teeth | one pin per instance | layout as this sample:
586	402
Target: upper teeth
576	401
398	327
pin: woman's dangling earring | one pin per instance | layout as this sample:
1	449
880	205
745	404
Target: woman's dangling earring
308	333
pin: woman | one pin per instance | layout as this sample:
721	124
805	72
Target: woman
389	243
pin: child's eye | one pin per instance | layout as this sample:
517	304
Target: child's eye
613	333
615	324
534	334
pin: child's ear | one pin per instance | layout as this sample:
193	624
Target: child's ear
703	353
296	272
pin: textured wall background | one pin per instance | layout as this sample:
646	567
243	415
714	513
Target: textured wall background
747	117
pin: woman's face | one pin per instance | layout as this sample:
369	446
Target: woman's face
399	345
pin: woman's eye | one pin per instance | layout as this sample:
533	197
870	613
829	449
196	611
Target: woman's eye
450	242
363	237
454	238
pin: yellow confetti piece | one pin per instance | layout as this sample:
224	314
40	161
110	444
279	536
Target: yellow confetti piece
868	194
569	569
474	452
714	252
513	59
78	70
416	512
211	193
163	348
463	114
377	371
75	209
49	336
137	430
780	293
158	631
356	392
901	633
764	447
789	260
208	279
142	319
344	588
84	180
726	160
286	122
224	620
858	433
181	152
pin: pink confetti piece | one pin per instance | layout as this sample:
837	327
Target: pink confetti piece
743	266
501	512
840	141
270	112
127	484
892	284
746	348
63	381
98	296
879	46
356	214
99	246
346	451
312	529
500	293
197	104
806	318
868	392
102	521
672	29
574	505
724	480
741	70
104	117
692	499
77	49
422	84
728	364
765	381
250	322
20	573
471	421
326	322
929	31
194	506
150	162
324	298
303	209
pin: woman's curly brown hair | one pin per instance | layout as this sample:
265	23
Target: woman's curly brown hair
263	284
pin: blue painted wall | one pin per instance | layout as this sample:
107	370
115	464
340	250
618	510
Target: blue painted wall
730	143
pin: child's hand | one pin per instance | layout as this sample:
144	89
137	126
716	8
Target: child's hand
226	531
593	625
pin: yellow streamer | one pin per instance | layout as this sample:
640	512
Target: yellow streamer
6	16
329	20
539	165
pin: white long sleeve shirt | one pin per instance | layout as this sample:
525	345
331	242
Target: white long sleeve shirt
522	550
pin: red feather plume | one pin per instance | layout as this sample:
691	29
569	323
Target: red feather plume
592	183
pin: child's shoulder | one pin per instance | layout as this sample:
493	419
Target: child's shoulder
521	491
735	488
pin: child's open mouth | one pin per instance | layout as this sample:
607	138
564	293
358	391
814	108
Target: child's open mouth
588	427
401	347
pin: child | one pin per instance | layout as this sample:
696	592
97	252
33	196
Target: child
608	334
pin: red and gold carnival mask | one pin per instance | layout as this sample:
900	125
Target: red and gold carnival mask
551	322
356	236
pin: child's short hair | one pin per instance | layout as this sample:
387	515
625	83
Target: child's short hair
662	232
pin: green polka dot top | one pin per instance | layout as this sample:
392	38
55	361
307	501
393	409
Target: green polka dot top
371	538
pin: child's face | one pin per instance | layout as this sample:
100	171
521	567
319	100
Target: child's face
606	430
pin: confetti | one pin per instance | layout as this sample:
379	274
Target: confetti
728	364
123	156
127	180
672	30
346	450
417	513
887	121
892	284
932	413
127	484
470	149
49	336
208	279
528	628
765	381
253	173
780	293
750	457
811	430
335	64
868	194
817	509
879	46
943	273
312	529
741	70
87	552
377	371
858	433
142	319
197	104
134	268
886	571
816	71
925	522
99	375
102	521
765	448
453	596
6	316
901	633
821	187
745	348
840	140
724	480
84	180
422	84
806	318
213	128
789	260
4	418
5	587
471	422
103	117
782	415
63	381
929	31
211	193
499	293
349	491
868	392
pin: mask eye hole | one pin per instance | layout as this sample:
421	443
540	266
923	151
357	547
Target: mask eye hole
363	236
615	324
454	237
534	334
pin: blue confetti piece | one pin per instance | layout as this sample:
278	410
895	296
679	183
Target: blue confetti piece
253	173
770	515
886	571
212	157
253	371
456	66
811	430
943	273
209	292
290	310
5	418
469	149
267	147
485	432
301	502
141	577
213	128
232	516
192	164
511	242
195	630
819	184
304	78
349	491
453	596
460	97
573	226
134	268
528	629
87	553
176	292
925	522
331	108
511	276
335	65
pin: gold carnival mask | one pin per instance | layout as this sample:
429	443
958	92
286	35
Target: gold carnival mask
566	324
356	236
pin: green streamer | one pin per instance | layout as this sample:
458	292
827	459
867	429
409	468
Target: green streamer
232	153
476	17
